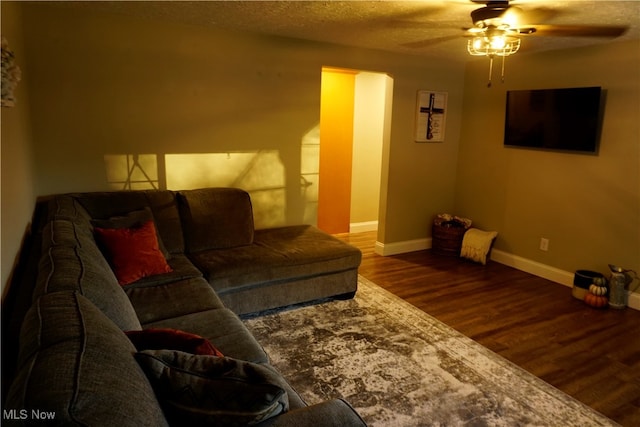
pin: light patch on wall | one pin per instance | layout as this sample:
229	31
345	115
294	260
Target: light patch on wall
309	173
260	172
132	171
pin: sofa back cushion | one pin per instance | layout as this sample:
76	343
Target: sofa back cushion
162	203
72	261
67	208
77	365
216	218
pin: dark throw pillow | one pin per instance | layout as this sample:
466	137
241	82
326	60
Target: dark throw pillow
130	220
172	339
204	390
132	252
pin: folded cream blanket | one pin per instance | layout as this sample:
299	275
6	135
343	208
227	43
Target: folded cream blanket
476	244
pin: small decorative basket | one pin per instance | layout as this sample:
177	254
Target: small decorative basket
447	233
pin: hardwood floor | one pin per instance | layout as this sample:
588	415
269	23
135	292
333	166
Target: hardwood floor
590	354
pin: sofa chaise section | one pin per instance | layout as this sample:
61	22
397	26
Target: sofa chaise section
254	270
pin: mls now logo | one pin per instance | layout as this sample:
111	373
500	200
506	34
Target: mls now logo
24	414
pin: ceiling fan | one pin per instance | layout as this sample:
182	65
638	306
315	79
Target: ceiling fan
502	15
498	27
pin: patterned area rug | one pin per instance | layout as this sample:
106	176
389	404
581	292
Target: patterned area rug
398	366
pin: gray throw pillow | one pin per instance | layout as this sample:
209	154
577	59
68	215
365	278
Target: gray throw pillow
202	390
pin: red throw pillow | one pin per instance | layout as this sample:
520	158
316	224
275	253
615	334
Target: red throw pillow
172	339
133	252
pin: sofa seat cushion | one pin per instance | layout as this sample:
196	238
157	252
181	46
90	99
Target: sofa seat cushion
156	302
199	390
71	261
78	364
181	268
276	254
223	328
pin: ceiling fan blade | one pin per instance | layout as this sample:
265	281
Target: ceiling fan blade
538	14
578	30
430	42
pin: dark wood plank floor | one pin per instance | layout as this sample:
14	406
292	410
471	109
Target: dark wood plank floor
592	355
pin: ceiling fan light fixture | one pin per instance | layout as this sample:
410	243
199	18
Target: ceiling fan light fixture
494	42
495	45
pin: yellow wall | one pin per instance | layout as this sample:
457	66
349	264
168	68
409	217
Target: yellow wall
336	150
588	206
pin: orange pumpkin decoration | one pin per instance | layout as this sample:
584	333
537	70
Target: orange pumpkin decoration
597	301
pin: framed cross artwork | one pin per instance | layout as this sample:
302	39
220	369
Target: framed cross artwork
431	114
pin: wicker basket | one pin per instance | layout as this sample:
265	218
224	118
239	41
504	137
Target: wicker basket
446	238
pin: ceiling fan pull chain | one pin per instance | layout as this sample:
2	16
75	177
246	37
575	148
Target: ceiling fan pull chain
504	58
490	69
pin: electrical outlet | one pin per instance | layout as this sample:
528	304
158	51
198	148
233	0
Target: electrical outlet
544	244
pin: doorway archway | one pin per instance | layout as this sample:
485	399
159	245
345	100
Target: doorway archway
354	129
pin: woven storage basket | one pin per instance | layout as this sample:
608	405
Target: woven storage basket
446	238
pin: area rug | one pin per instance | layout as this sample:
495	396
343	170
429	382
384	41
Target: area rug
398	366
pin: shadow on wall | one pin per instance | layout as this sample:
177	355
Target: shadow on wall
262	173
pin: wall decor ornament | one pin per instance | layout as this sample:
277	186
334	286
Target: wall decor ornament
431	114
10	75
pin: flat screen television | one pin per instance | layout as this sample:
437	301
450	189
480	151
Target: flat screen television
553	119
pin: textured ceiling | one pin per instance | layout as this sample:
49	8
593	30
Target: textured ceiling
429	27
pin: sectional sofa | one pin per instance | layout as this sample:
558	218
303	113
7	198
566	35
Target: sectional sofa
131	314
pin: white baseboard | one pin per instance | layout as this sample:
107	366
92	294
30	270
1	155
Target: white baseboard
634	300
523	264
360	227
537	269
547	272
386	249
